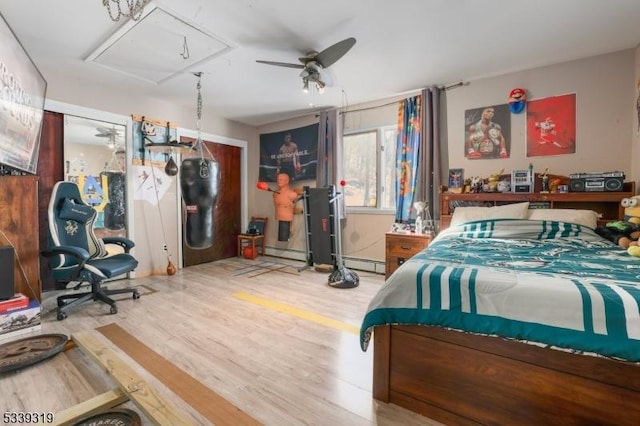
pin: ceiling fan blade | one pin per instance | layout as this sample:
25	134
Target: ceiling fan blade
282	64
332	53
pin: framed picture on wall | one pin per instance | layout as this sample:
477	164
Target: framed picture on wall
456	177
487	132
22	90
551	126
293	151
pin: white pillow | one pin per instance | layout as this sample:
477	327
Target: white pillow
587	218
507	211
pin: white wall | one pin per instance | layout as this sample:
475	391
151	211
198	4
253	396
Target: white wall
603	87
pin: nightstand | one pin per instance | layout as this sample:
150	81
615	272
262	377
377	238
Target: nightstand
401	247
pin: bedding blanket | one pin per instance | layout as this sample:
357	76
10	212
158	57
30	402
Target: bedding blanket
554	283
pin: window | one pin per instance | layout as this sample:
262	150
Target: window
369	169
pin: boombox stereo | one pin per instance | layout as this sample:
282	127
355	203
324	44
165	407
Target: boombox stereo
596	182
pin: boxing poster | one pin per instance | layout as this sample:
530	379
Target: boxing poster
487	132
551	126
294	152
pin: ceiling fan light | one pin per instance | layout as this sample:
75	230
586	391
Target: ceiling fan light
305	86
320	86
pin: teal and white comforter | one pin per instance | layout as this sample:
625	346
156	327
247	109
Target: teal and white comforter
554	283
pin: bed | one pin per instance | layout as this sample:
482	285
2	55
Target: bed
511	318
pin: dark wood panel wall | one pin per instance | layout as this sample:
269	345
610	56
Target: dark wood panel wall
50	170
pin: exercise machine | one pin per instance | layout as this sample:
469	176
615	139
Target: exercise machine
323	235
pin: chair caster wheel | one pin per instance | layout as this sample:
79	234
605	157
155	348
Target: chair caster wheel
114	309
61	316
136	295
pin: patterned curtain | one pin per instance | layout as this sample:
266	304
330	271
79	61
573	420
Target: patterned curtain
407	154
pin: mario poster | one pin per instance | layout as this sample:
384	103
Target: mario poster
551	126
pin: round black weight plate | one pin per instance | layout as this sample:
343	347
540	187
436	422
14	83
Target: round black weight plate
30	350
118	416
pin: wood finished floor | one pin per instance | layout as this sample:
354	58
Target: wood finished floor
283	362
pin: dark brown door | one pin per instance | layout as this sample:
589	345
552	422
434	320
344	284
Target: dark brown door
226	214
50	170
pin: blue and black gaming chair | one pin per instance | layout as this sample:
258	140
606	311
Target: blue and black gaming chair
75	254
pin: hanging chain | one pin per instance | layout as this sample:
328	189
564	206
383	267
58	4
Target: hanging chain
135	9
199	107
204	165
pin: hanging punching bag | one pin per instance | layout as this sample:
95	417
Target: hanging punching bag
114	211
199	181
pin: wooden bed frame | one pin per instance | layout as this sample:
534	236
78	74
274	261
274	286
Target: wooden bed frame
465	379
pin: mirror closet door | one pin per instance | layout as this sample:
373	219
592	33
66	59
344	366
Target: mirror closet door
94	159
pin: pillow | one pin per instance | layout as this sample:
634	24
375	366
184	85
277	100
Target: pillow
587	218
507	211
78	212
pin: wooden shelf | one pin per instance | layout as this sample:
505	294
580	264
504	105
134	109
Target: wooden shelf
607	204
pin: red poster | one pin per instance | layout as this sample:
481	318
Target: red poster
551	126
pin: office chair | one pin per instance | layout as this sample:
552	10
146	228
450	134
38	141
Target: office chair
75	254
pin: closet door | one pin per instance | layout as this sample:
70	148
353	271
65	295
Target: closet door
226	214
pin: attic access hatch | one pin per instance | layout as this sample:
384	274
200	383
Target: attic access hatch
157	47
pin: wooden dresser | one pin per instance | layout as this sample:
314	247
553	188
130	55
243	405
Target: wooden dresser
401	247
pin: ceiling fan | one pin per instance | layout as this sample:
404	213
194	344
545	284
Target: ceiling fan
313	62
112	134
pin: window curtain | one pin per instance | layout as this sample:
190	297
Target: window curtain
407	156
431	148
329	168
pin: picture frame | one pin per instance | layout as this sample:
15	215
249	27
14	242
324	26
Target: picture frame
456	179
23	90
293	151
487	132
551	126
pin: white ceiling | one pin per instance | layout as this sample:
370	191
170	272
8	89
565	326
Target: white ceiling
402	46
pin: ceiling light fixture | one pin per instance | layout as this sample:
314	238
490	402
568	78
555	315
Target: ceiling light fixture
125	8
317	83
111	143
